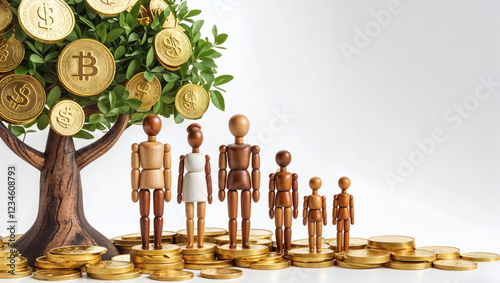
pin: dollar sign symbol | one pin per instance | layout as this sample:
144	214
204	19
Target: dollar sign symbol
142	91
172	45
44	13
64	119
4	54
108	2
21	99
191	100
81	66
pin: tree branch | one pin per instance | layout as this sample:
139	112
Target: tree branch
24	151
91	109
90	153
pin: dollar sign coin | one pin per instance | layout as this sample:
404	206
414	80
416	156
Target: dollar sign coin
108	8
172	47
22	99
66	118
157	7
192	101
5	15
47	21
86	67
147	92
11	54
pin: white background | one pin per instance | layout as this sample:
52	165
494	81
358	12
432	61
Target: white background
340	114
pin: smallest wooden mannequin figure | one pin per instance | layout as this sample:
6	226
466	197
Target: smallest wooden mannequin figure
314	214
196	186
343	214
152	156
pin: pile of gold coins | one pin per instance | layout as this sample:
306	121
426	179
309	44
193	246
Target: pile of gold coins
202	258
210	235
113	270
125	243
169	257
12	264
302	257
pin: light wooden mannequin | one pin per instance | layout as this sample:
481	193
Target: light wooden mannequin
315	213
343	214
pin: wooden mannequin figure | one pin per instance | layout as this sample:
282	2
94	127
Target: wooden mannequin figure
314	214
152	156
280	204
238	156
196	186
343	214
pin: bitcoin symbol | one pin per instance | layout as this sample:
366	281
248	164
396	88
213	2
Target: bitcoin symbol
172	44
81	66
44	13
21	99
4	54
142	91
191	100
64	119
108	2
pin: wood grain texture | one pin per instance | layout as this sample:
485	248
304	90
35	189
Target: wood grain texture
32	156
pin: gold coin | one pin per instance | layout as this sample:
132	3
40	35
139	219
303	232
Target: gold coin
57	258
207	248
414	255
481	257
5	15
240	252
368	256
443	252
137	236
354	243
199	266
210	261
172	47
408	265
304	253
17	273
157	7
272	257
340	256
352	265
124	258
86	67
48	21
258	233
66	118
285	263
155	259
391	242
165	249
108	8
192	101
304	243
43	262
147	92
8	251
18	262
221	273
79	250
200	257
170	68
57	274
22	98
110	267
161	266
455	265
254	257
11	54
135	273
172	275
323	264
9	259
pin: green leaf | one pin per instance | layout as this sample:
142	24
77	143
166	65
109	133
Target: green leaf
82	134
178	117
218	99
43	122
193	13
149	76
158	107
197	26
220	39
102	32
96	118
52	55
112	99
87	22
136	116
17	130
20	34
103	107
150	58
208	77
224	79
132	69
214	31
158	69
114	35
170	77
54	96
35	58
134	103
168	99
119	52
21	70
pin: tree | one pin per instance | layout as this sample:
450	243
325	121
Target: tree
130	37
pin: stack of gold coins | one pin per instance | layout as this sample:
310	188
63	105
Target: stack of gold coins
304	243
172	48
12	264
301	257
125	243
247	261
57	274
113	270
70	257
363	259
169	257
443	252
411	260
354	243
391	243
224	252
210	235
201	258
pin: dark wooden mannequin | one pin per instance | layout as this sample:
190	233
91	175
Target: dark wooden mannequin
195	139
280	204
238	156
152	156
314	214
343	214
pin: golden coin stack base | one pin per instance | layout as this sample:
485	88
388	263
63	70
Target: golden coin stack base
168	258
411	260
197	258
12	264
210	235
255	251
302	257
70	257
125	243
113	270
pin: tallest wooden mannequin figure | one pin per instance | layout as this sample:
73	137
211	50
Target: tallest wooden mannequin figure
152	156
238	156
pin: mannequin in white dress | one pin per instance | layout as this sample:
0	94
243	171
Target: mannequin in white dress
195	186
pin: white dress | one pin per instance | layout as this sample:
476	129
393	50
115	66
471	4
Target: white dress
194	187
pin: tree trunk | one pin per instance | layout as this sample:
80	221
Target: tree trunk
61	220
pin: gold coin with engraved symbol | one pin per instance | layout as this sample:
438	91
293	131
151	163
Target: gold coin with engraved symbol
147	92
47	21
5	15
157	7
22	99
108	8
11	54
172	47
66	118
192	101
57	274
86	67
221	273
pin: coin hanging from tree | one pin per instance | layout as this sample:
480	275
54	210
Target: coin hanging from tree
66	118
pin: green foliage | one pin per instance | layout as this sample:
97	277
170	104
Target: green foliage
132	46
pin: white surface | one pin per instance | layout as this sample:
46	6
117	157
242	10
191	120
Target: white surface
339	118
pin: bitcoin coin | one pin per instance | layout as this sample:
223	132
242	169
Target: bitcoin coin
157	7
11	54
455	265
22	98
86	67
481	257
17	274
66	118
443	252
47	21
408	265
368	256
192	101
391	242
221	273
5	15
57	274
172	47
414	255
108	8
285	263
147	92
136	273
172	275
